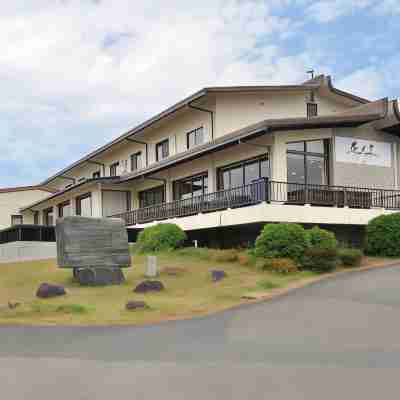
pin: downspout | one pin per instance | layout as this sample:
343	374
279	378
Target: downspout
207	111
140	142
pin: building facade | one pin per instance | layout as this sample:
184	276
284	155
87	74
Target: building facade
230	159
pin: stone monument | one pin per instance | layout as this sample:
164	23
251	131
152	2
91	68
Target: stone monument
95	248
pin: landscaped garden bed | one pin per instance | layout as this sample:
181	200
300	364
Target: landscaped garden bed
192	281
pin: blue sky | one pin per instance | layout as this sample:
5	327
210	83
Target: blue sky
77	73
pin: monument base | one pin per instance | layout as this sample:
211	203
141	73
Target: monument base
99	276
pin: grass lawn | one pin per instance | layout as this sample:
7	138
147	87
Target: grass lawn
189	294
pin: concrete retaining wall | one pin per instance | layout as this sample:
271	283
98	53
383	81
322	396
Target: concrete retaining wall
27	251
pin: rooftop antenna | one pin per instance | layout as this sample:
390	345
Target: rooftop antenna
311	72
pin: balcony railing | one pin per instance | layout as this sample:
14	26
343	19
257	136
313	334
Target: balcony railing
264	190
28	233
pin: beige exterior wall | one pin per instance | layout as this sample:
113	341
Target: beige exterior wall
238	110
11	202
349	174
232	111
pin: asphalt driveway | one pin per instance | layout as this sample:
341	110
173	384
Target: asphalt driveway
335	339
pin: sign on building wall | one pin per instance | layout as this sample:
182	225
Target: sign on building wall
359	151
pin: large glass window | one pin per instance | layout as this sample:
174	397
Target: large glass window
162	150
16	220
152	196
195	137
243	173
191	187
84	205
307	162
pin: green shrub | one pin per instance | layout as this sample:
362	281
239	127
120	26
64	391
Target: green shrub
320	260
281	265
383	236
321	238
161	237
282	241
350	257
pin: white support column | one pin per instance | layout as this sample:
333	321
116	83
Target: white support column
212	176
97	202
72	203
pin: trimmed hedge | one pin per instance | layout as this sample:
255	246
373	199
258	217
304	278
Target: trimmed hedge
282	241
161	237
320	260
321	238
350	257
383	236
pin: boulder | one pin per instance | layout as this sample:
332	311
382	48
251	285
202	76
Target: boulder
135	305
149	286
47	290
217	275
100	276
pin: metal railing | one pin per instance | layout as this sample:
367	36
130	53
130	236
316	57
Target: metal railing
268	191
28	233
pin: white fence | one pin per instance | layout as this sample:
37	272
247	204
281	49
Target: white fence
27	251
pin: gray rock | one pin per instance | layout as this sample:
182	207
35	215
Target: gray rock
134	305
100	276
149	286
47	290
217	275
92	242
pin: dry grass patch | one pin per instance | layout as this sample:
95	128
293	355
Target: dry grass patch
188	294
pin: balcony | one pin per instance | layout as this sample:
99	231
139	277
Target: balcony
268	191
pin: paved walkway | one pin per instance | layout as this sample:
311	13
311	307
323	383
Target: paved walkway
336	339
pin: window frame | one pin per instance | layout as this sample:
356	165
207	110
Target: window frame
96	174
142	193
134	160
46	213
78	204
164	142
194	132
191	178
61	206
19	216
113	168
36	215
312	109
326	142
242	164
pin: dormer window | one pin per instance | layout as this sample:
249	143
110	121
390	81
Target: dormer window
312	110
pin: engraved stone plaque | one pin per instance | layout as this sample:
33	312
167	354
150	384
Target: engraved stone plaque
92	242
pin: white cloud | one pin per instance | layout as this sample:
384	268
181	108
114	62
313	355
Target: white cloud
76	73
